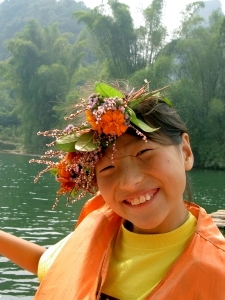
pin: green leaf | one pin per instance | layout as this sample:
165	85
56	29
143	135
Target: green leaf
145	127
167	101
107	91
54	171
135	102
139	123
85	142
74	193
67	142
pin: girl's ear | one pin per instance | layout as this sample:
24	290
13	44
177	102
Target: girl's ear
187	152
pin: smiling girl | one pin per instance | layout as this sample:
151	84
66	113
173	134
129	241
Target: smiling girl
137	238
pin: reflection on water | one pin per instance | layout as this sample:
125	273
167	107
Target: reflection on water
26	212
209	189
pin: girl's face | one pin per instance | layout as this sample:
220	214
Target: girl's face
145	181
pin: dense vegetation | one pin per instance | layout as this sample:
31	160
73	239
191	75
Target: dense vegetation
53	58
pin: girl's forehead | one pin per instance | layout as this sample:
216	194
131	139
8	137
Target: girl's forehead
124	144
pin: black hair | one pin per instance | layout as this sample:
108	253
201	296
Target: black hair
160	115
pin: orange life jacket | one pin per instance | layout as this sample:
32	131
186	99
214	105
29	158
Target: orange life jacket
81	267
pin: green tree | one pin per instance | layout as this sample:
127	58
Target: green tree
152	35
113	38
42	64
199	72
190	19
118	44
15	14
156	65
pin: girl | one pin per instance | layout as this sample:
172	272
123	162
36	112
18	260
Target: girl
137	238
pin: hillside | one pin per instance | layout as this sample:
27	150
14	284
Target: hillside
15	14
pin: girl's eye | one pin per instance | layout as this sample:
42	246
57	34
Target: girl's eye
143	151
106	168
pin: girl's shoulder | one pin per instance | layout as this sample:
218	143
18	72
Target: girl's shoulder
49	256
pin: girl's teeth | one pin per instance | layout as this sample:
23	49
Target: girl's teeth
141	199
136	201
148	197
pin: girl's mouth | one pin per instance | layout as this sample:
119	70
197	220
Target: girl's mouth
141	199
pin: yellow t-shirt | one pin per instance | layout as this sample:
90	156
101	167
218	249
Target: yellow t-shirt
139	261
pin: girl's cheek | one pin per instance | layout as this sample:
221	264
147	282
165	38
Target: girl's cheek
105	186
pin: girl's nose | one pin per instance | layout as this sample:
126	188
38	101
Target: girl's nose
130	174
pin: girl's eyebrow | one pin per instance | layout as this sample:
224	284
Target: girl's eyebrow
134	146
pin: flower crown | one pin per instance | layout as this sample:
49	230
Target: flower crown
109	113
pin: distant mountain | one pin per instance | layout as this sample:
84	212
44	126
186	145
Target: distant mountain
210	6
15	14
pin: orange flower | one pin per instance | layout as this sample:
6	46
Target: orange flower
91	119
112	122
64	175
66	187
62	170
63	166
72	157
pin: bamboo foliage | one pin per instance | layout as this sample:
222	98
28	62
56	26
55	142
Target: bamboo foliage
48	69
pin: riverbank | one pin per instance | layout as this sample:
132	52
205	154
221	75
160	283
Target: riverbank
18	152
13	148
219	218
10	147
12	151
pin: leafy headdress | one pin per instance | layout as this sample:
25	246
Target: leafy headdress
109	113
